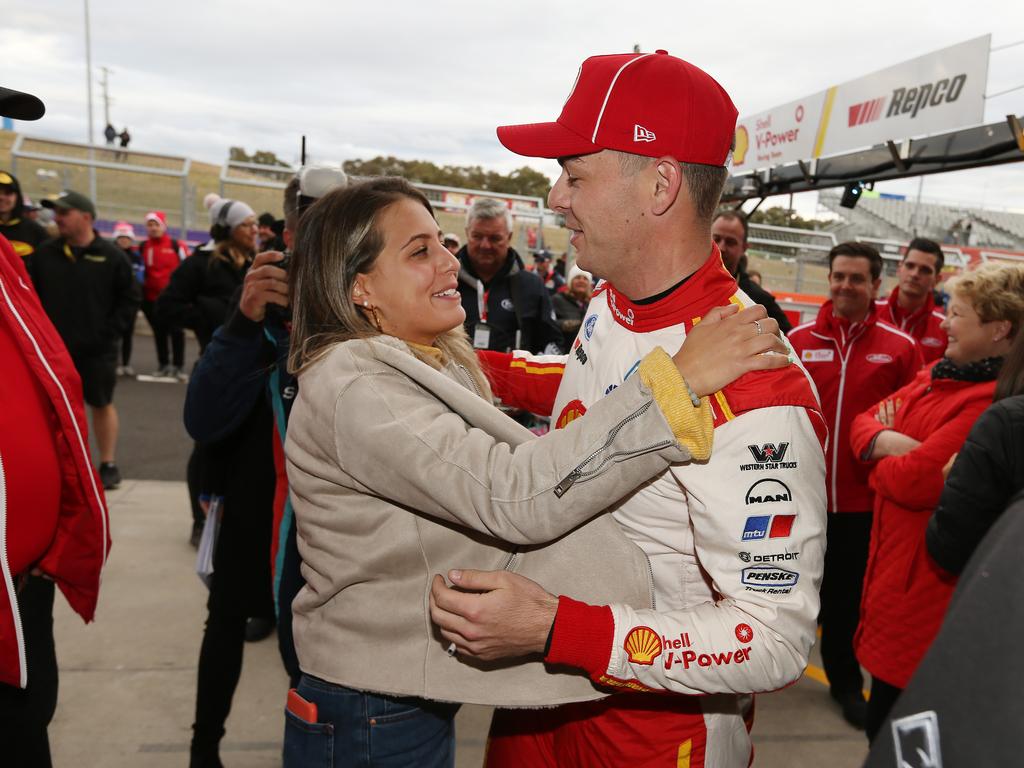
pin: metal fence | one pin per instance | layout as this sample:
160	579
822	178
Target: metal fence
119	181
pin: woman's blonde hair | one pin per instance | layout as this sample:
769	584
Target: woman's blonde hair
339	239
996	291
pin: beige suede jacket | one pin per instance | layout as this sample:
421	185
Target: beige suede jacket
398	471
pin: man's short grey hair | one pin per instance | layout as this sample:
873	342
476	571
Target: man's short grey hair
487	208
705	182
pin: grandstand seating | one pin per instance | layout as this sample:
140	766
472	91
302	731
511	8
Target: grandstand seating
886	218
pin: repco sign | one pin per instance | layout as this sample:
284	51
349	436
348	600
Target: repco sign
909	100
913	100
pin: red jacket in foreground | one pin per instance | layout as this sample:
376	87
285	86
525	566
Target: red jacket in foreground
905	593
861	363
78	549
924	324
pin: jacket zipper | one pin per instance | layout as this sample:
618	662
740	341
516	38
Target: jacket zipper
12	594
472	381
513	559
578	474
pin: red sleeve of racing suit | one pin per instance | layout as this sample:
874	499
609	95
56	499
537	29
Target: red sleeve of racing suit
582	636
522	380
748	583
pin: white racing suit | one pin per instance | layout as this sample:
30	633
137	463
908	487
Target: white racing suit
736	548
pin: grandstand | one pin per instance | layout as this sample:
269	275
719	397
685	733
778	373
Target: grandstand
889	218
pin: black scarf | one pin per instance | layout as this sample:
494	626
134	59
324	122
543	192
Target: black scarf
980	370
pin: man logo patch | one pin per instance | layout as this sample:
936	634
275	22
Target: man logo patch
768	491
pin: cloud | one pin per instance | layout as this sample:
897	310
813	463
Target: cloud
432	80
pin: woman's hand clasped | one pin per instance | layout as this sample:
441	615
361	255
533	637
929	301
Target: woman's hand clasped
727	343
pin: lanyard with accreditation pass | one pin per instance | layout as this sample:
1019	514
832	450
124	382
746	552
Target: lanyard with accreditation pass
482	331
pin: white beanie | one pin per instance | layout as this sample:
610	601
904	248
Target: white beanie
236	214
575	271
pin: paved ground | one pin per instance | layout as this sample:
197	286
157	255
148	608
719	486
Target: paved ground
127	687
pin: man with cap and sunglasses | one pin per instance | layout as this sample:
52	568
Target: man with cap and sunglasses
87	287
735	544
15	224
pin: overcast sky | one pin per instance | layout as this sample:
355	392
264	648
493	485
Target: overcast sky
431	80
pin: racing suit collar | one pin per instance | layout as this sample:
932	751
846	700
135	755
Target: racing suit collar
710	286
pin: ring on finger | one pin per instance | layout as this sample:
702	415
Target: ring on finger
757	324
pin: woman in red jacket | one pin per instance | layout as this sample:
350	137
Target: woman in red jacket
909	438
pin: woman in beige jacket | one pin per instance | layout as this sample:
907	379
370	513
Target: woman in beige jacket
399	468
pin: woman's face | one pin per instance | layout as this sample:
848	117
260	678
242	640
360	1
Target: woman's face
244	235
414	283
969	338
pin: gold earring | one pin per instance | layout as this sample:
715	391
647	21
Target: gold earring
376	317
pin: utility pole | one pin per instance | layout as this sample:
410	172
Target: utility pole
106	94
88	84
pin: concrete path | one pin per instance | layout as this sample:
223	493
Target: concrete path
127	687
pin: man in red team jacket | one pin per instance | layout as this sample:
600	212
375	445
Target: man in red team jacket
911	305
855	361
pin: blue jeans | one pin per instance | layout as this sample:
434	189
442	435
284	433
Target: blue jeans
365	730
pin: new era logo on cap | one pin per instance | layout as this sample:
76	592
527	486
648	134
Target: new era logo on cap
648	104
642	134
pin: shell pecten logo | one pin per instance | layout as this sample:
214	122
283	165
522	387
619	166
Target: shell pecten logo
739	154
643	645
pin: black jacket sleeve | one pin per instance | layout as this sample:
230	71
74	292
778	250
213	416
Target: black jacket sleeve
541	332
178	304
988	471
232	374
127	298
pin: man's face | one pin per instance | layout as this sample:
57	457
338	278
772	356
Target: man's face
917	274
154	228
851	287
600	204
487	243
72	223
452	246
8	199
266	233
727	233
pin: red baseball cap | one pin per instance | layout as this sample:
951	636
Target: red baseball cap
648	104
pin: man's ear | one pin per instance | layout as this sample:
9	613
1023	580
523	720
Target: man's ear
668	184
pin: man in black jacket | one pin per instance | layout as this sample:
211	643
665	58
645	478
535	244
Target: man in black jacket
24	234
86	286
729	231
507	307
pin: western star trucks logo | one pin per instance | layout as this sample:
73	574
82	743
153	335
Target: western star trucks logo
768	456
908	100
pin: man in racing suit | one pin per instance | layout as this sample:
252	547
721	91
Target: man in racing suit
735	544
